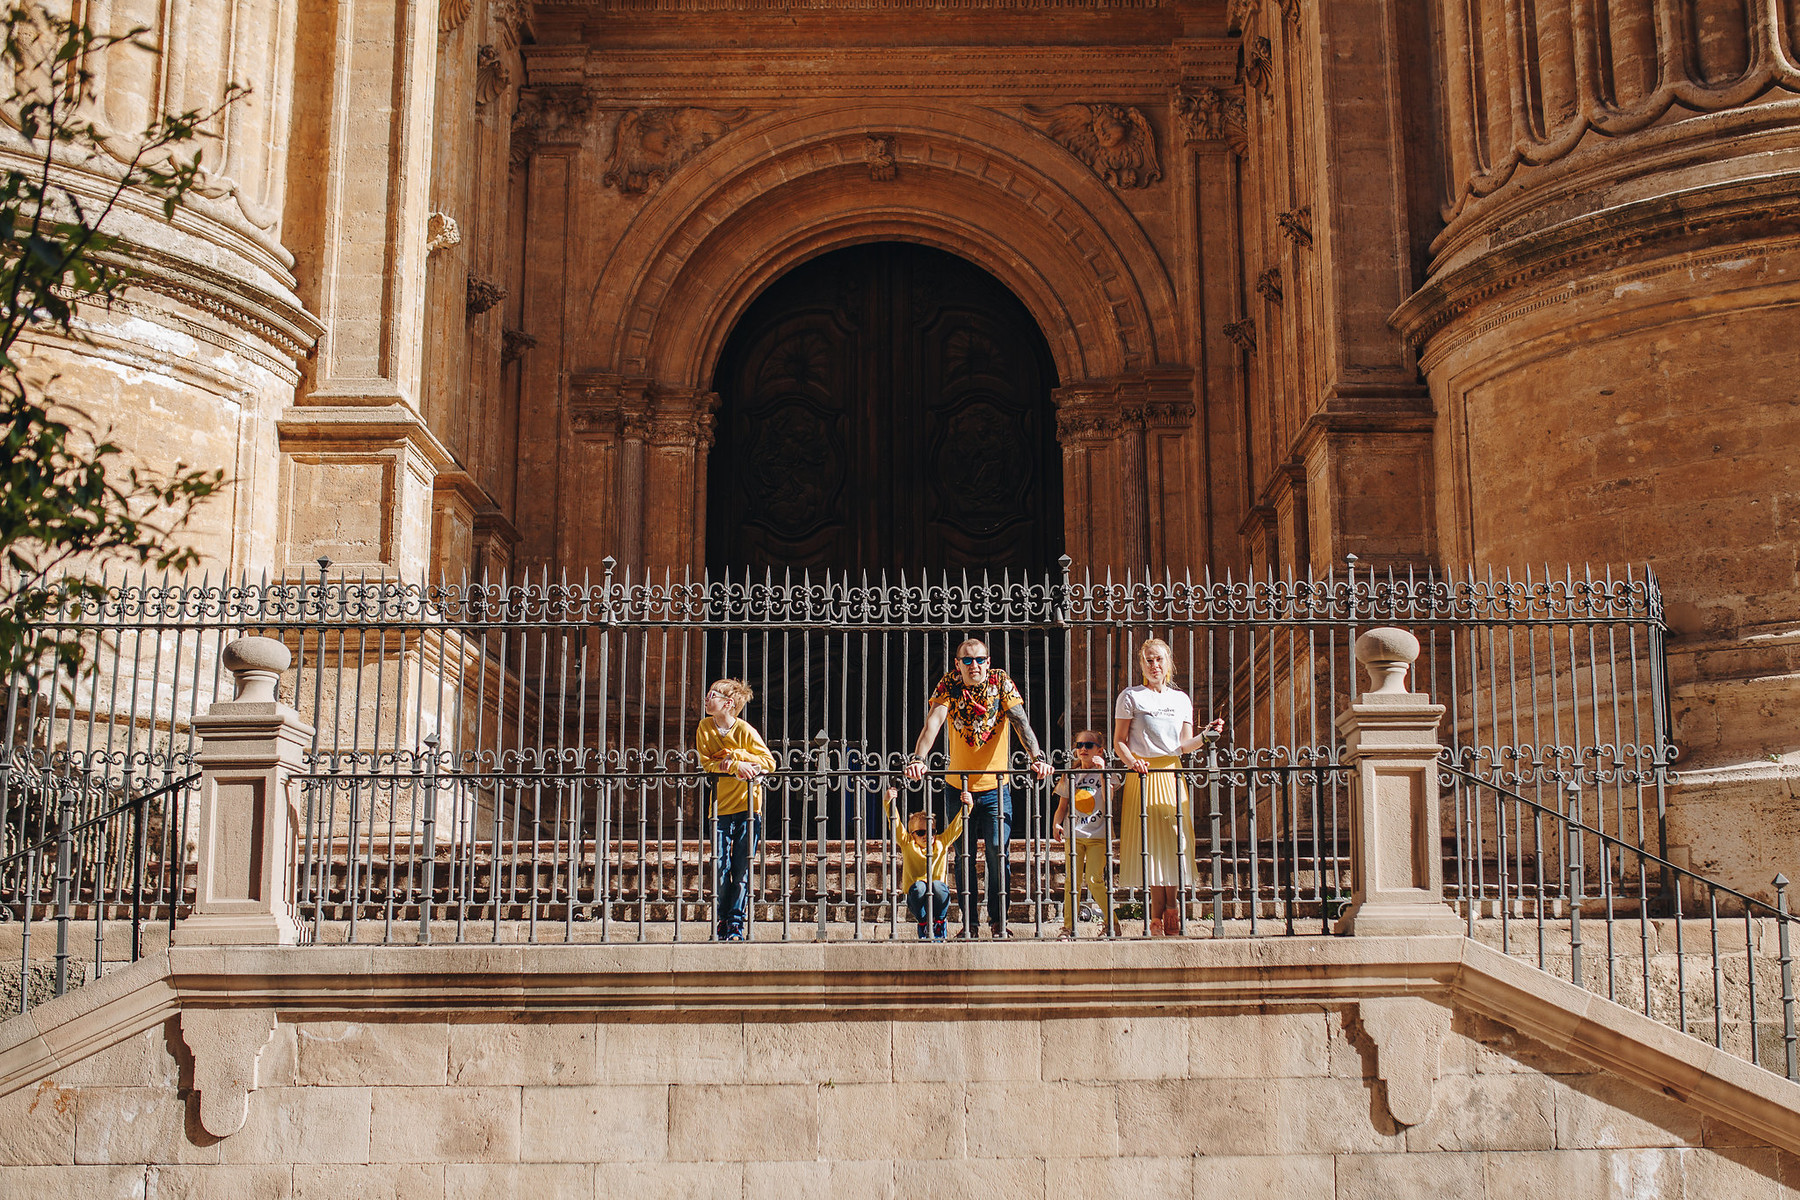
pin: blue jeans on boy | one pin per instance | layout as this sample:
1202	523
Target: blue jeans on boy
734	844
938	898
989	821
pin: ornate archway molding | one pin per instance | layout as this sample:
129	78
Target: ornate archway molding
789	186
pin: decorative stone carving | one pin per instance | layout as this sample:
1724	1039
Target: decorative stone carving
649	144
491	75
513	345
452	14
1268	285
547	115
1408	1032
1296	225
1291	10
1240	13
1092	416
879	154
1210	114
1259	63
1599	75
1114	141
482	295
508	18
441	232
1243	334
226	1044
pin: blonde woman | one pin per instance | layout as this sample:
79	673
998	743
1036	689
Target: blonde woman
1153	727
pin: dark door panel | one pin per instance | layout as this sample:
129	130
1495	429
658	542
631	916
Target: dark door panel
886	407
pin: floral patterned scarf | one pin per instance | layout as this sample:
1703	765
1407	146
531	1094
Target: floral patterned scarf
976	712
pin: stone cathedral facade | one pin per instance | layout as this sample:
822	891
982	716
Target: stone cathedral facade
1186	285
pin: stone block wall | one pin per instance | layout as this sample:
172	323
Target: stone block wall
1277	1101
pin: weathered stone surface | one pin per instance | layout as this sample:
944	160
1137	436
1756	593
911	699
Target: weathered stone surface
534	1052
818	1180
1271	1045
219	1183
671	1181
657	1052
1376	1176
1603	1111
444	1125
928	1051
594	1124
1011	1178
516	1181
1146	1047
1195	1116
1043	1120
73	1183
373	1052
396	1181
1284	1177
40	1123
884	1121
743	1123
304	1124
138	1125
818	1052
1489	1112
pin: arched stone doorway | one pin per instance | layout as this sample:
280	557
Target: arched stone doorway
886	407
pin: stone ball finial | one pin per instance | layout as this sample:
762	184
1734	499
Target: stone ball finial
1386	653
256	663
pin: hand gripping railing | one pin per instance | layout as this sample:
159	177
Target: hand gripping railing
1547	866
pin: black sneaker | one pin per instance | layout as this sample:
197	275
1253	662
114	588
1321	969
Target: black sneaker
937	930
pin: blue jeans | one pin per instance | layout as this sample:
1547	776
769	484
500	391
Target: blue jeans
734	844
989	821
939	899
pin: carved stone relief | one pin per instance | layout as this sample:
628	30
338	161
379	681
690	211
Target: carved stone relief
879	154
1240	13
1259	63
452	14
508	18
1291	10
441	232
1242	334
482	295
491	75
547	115
1210	114
649	144
1268	285
1296	225
513	345
1114	141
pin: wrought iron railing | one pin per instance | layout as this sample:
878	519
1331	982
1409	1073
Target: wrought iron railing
515	759
1686	950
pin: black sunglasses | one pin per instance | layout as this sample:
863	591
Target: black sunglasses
969	660
1087	745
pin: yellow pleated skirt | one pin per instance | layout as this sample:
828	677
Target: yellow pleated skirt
1168	825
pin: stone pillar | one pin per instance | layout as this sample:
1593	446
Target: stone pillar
1396	839
251	748
360	440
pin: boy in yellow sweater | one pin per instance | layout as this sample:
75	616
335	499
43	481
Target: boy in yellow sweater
925	863
734	754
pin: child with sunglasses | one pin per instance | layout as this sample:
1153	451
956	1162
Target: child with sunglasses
1088	792
925	863
734	755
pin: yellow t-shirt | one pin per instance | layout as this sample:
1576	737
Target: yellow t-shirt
987	758
720	752
913	858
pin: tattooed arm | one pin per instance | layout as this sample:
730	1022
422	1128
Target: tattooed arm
1015	716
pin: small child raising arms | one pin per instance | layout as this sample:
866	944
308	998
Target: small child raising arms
734	754
1087	789
927	893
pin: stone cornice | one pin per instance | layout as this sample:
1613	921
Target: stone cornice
1763	208
724	75
814	981
360	427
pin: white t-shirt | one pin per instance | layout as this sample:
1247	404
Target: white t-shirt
1086	791
1156	719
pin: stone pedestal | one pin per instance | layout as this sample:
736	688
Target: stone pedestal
252	748
1396	838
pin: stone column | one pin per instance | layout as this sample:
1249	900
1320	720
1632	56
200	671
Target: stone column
362	426
1396	838
251	749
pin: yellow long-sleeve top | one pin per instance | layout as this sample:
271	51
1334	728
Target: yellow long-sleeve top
912	858
720	752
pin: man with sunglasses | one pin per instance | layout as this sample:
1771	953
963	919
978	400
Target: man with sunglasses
983	708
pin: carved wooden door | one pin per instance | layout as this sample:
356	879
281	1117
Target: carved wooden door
886	407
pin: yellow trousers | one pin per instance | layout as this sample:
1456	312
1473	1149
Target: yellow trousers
1087	859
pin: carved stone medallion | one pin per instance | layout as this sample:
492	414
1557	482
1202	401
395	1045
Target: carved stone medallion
649	144
1113	140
